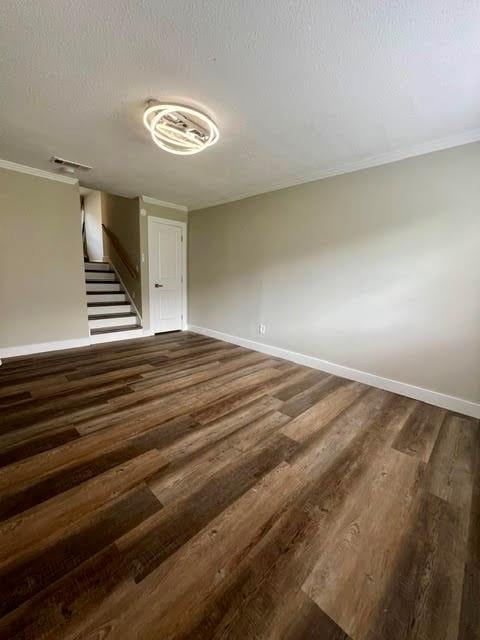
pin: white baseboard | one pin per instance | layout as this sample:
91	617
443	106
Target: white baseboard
41	347
57	345
417	393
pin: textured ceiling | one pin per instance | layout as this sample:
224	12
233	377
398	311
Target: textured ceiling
298	88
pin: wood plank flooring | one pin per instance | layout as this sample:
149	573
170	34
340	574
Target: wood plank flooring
178	487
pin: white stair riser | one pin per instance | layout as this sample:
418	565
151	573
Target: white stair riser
103	286
112	322
115	308
100	275
107	297
118	335
97	266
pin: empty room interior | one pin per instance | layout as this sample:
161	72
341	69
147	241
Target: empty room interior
240	320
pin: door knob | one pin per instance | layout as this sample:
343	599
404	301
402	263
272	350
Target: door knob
158	285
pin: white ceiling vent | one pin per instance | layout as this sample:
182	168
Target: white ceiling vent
179	130
68	165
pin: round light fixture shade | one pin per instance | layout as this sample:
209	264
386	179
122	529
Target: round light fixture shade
180	130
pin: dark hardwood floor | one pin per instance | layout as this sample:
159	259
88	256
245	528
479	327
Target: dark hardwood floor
181	487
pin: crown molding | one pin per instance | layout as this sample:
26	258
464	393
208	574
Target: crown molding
162	203
369	162
32	171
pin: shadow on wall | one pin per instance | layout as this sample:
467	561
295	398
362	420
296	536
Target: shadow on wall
387	283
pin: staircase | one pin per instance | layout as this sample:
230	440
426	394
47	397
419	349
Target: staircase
110	314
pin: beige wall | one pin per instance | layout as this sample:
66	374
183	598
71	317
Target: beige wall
159	212
122	217
42	288
92	203
377	270
164	212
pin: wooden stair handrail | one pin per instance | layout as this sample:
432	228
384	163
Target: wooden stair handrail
122	254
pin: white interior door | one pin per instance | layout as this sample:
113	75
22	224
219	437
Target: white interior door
166	264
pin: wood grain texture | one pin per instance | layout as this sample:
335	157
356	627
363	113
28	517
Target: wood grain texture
423	599
178	487
419	435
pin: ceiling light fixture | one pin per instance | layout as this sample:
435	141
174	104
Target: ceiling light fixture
180	130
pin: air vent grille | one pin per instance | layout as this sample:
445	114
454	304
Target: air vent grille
69	165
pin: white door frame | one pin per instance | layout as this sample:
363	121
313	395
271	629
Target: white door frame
151	288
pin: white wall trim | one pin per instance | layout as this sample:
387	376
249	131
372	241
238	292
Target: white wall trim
418	393
457	140
21	168
162	203
184	228
40	347
57	345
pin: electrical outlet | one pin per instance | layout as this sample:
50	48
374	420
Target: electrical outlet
262	329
